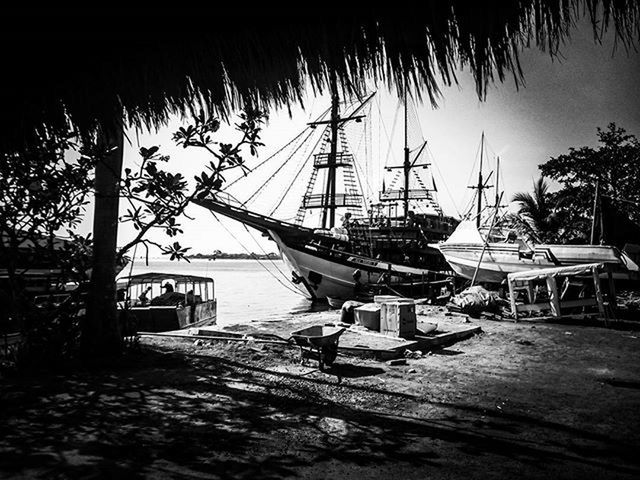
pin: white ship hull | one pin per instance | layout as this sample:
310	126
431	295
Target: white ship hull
323	277
495	261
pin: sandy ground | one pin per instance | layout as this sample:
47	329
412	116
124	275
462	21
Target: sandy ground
520	400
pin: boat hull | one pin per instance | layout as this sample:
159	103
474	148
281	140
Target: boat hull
331	274
498	260
323	266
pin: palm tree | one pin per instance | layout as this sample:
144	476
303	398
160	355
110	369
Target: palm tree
536	212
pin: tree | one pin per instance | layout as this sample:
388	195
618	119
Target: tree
156	200
43	192
614	165
536	214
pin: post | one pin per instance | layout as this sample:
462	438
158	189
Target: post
554	300
486	245
530	291
612	289
512	295
593	215
480	183
598	292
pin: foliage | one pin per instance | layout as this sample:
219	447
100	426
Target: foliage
43	192
536	217
51	333
614	165
157	198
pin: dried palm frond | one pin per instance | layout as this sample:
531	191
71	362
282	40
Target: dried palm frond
94	68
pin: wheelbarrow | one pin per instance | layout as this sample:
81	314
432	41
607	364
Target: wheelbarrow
323	339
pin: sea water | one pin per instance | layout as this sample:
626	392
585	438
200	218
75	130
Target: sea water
245	290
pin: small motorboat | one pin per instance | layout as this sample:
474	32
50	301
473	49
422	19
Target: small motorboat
188	301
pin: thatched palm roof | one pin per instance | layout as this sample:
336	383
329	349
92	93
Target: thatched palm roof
90	67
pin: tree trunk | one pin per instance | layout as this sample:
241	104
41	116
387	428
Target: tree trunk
100	331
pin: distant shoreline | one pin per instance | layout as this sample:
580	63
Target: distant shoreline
234	256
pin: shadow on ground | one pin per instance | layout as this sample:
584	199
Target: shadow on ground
181	416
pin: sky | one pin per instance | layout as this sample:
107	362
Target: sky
563	102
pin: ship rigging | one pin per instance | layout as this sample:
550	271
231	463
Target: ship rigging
375	244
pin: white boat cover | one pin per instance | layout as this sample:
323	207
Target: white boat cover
541	274
466	232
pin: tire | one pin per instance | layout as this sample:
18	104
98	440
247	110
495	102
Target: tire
328	354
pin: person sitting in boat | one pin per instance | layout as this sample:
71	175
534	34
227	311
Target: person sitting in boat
143	299
169	297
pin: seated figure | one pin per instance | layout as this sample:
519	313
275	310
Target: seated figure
168	298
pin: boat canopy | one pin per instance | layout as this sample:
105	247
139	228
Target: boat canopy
156	276
543	273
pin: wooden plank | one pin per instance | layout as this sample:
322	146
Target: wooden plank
512	295
534	307
612	289
530	291
446	337
211	337
554	298
585	302
578	316
596	286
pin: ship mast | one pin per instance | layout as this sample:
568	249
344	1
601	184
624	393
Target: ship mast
330	191
480	184
497	183
407	163
329	201
404	194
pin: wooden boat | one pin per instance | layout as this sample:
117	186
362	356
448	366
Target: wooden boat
386	242
192	302
467	251
490	256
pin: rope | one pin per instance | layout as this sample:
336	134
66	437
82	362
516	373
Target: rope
278	170
304	163
294	290
433	163
277	152
393	129
266	160
263	251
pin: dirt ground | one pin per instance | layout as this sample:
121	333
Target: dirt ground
520	400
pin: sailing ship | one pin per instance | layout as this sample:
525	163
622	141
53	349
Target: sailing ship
480	251
381	246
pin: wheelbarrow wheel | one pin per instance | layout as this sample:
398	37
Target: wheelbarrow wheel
328	354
